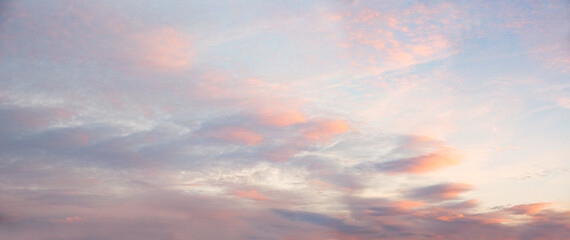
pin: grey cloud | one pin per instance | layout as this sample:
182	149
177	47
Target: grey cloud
439	192
322	220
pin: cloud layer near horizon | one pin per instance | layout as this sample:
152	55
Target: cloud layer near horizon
298	120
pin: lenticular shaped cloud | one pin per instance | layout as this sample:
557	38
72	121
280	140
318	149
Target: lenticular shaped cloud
252	194
418	165
426	155
439	192
529	209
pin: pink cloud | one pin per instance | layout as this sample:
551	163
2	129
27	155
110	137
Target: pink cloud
438	156
422	164
420	49
440	192
451	218
451	191
408	204
163	48
237	134
402	37
252	194
311	131
324	129
529	209
82	31
401	57
563	102
71	219
281	119
38	118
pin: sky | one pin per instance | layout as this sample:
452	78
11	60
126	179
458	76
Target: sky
314	120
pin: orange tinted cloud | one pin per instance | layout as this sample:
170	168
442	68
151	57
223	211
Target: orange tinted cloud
421	164
253	194
238	134
450	218
439	156
451	191
323	130
71	219
408	204
529	209
430	163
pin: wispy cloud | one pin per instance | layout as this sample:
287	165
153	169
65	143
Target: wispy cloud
272	120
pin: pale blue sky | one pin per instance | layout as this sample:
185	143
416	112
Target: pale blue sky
285	119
